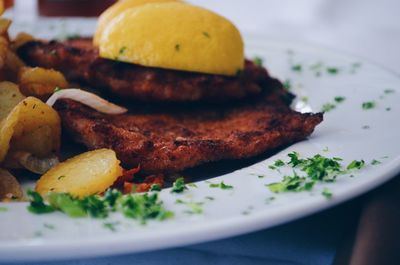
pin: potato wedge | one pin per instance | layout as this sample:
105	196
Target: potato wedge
40	82
9	187
31	126
86	174
4	25
20	40
10	96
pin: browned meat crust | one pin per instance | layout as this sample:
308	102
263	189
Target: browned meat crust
170	141
79	61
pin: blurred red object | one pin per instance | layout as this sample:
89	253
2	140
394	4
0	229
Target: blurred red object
73	8
8	3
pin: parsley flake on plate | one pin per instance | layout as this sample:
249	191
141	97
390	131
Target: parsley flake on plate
368	105
178	186
221	185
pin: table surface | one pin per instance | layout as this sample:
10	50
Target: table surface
366	28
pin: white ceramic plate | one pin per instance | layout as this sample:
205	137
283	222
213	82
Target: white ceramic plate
24	236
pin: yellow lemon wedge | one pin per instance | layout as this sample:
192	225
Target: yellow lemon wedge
114	11
174	36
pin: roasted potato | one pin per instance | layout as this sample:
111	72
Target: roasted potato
40	82
20	40
4	25
10	96
9	186
86	174
31	126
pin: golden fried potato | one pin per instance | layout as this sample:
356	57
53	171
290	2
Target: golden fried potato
3	56
12	65
86	174
9	187
40	82
4	25
10	96
32	126
20	40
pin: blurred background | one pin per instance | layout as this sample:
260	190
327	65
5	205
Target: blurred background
368	28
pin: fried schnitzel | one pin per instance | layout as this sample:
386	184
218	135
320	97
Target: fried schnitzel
164	141
78	60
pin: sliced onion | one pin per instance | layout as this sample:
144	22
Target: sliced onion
87	98
34	163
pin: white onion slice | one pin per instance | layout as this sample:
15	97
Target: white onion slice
87	98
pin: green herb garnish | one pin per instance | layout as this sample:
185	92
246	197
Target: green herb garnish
356	164
375	162
339	99
37	204
332	70
177	47
313	170
155	187
287	84
328	107
388	91
221	185
327	193
297	68
178	186
3	209
111	226
73	36
258	61
122	50
368	105
206	34
141	207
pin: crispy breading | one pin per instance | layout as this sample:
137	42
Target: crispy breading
163	141
79	61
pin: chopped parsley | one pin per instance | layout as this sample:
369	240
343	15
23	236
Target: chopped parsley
312	170
375	162
140	207
179	186
277	163
194	207
258	61
37	204
368	105
332	70
73	36
297	68
339	99
327	193
111	226
287	84
122	50
3	209
192	185
356	164
49	226
221	185
155	187
388	91
177	47
206	34
328	107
